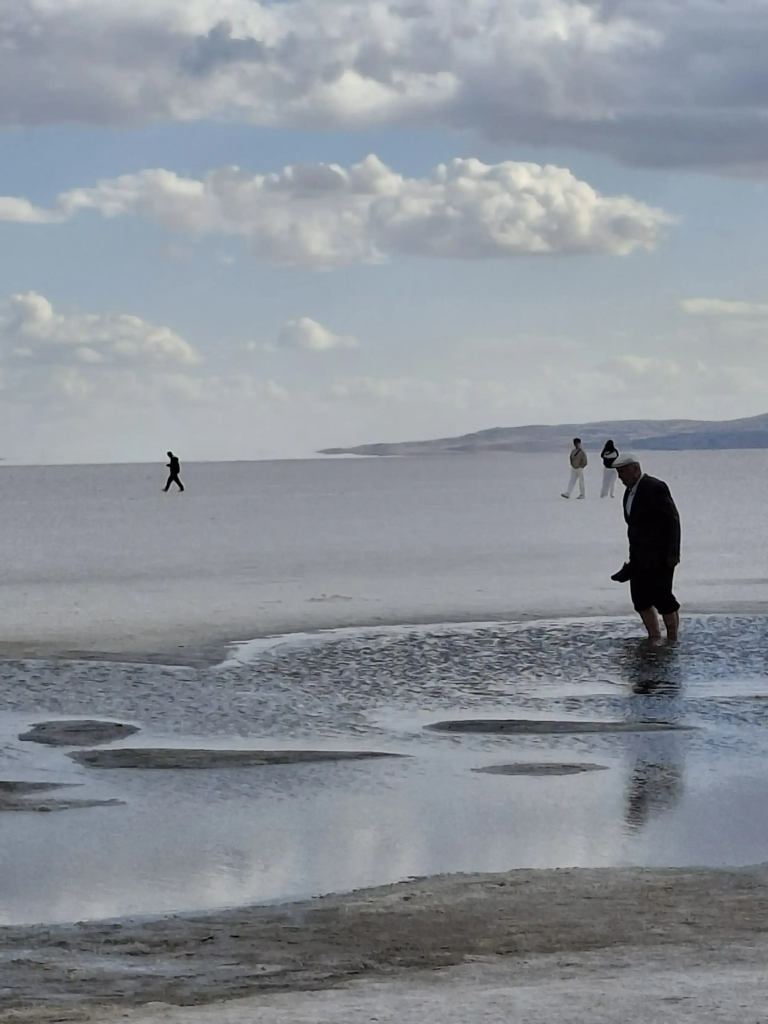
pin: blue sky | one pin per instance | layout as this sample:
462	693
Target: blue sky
232	319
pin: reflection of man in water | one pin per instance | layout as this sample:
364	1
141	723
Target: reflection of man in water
655	783
653	530
175	468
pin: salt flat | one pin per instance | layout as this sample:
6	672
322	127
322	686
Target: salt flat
96	558
444	589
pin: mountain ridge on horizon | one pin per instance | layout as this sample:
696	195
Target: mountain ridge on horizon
661	435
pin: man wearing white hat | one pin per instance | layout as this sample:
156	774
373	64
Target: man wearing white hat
653	530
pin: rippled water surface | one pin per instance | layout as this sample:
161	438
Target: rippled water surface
184	839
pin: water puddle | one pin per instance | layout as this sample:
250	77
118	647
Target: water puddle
686	788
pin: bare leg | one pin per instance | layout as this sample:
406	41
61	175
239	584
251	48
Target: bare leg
651	623
672	625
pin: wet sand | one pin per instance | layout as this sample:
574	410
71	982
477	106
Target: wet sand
632	986
527	925
204	647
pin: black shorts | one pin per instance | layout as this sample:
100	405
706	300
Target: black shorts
651	587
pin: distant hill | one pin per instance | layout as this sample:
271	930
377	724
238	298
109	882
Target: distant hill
670	435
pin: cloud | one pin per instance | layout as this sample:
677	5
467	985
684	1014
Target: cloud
308	335
322	216
533	379
103	359
225	390
648	81
405	390
46	354
692	386
721	307
32	331
21	211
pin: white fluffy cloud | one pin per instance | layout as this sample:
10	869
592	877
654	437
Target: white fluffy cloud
308	335
649	81
32	331
723	308
21	211
75	355
323	215
111	358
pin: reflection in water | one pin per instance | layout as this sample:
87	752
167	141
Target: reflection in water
654	786
655	783
652	670
677	797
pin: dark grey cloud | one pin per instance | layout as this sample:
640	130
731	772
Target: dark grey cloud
654	82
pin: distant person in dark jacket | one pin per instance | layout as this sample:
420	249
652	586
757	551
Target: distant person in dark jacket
653	530
174	467
609	454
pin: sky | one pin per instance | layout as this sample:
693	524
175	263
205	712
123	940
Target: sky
244	229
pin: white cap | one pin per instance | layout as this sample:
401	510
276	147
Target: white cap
626	460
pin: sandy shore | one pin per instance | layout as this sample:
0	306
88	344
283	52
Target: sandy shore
633	986
203	648
517	929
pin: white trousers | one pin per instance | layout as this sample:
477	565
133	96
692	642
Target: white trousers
609	482
576	474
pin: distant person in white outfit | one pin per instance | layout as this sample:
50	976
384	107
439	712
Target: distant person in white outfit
578	465
609	454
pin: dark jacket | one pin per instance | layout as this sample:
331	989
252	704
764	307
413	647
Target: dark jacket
653	525
609	455
175	466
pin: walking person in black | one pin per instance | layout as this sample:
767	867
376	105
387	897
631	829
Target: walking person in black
175	468
653	530
609	454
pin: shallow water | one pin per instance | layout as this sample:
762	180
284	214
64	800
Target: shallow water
193	839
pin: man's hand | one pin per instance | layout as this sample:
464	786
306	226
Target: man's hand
673	560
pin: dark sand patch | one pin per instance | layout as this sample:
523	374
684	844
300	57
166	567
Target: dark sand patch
541	769
23	796
18	788
148	757
42	806
78	733
542	727
49	971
